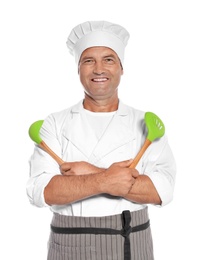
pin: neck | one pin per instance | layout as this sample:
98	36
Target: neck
100	105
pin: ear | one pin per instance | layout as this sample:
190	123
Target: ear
121	67
78	70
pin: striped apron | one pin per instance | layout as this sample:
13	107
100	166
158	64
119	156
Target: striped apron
126	236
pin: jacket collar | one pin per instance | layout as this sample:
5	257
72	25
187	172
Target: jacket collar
118	133
122	109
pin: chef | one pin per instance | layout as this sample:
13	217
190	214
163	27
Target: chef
99	204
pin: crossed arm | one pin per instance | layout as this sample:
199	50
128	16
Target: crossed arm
81	180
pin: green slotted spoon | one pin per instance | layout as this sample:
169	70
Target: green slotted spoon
34	133
156	129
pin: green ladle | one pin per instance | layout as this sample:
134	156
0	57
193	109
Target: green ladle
34	133
156	129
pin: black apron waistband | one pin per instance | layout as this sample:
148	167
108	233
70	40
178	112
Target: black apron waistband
125	231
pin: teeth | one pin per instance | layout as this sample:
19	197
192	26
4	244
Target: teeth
100	80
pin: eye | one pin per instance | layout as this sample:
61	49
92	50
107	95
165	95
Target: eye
109	60
88	61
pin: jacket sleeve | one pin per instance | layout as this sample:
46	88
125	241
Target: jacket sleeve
159	164
42	166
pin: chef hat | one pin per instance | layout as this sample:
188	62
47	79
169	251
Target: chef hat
97	33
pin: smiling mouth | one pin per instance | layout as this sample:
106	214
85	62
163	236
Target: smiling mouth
99	80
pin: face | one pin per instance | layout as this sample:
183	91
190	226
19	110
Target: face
100	72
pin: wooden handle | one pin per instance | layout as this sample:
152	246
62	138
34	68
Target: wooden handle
141	152
44	146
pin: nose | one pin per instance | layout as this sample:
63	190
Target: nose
98	68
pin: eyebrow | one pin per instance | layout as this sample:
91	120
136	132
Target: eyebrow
110	55
86	57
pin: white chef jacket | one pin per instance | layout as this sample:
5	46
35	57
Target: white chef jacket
69	134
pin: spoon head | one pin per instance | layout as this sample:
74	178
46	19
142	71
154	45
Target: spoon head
34	131
155	126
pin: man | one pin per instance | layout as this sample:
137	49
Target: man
99	204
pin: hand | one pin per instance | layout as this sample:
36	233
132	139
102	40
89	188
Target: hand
79	168
118	179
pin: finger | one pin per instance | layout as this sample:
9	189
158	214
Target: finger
65	167
135	173
125	163
133	181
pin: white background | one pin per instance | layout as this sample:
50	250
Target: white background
163	74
